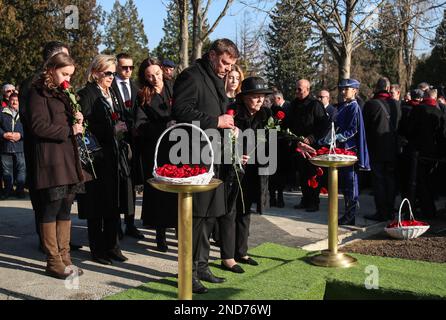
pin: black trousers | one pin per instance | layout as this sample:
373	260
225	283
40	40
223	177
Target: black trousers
103	234
234	233
384	188
425	189
202	228
310	196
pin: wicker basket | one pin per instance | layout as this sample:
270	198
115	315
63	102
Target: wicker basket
201	179
406	232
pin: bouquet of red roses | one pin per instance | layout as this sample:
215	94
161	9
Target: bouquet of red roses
325	150
186	171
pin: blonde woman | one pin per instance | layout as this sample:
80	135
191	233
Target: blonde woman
233	82
110	194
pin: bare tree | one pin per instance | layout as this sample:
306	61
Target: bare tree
183	8
200	11
343	24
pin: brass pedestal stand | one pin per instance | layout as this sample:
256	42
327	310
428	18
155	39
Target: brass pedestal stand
184	229
331	257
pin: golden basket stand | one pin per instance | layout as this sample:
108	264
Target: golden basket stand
185	192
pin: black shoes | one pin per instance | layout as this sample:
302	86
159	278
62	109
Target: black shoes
162	246
314	208
102	259
133	232
249	261
209	277
198	287
235	268
346	221
375	217
116	255
301	205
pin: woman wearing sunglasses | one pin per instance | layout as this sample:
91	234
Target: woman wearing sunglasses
111	193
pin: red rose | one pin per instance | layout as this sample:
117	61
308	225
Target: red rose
115	116
280	115
319	172
128	104
231	112
324	190
65	85
312	183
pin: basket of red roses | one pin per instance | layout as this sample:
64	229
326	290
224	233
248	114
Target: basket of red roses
406	229
191	175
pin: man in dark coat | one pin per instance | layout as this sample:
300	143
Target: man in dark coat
306	117
127	91
426	134
381	117
199	95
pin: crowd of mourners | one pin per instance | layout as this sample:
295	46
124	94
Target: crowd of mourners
400	141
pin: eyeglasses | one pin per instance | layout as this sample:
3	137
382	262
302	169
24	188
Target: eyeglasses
9	91
130	68
321	97
109	74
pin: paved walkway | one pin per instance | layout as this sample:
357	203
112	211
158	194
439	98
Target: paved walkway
22	266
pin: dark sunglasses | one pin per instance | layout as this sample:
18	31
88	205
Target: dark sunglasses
128	67
321	97
109	74
9	91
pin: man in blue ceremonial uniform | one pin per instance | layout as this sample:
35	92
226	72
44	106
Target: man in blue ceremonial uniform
350	135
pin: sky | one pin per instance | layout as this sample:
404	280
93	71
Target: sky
153	13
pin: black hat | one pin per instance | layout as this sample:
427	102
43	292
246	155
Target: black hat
255	85
168	63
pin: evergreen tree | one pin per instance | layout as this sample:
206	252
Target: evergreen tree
21	46
385	42
168	48
433	68
289	57
124	32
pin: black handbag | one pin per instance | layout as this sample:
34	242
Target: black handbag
89	150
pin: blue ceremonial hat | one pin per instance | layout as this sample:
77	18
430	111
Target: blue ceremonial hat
349	83
169	63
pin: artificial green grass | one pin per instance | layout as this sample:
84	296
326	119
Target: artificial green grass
285	274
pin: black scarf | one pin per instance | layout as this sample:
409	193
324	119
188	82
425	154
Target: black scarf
218	83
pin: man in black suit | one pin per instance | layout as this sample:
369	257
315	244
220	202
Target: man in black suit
199	95
306	117
381	117
127	92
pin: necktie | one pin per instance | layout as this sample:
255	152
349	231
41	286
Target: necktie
126	92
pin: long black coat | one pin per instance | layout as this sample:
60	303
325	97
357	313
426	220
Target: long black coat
198	95
381	117
111	193
307	118
427	130
159	209
129	116
254	186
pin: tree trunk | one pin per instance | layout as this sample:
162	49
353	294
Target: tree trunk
184	31
345	64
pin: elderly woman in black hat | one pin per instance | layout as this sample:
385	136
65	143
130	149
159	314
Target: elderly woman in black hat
248	113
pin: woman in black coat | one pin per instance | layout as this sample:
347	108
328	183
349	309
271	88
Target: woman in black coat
110	194
153	116
234	226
